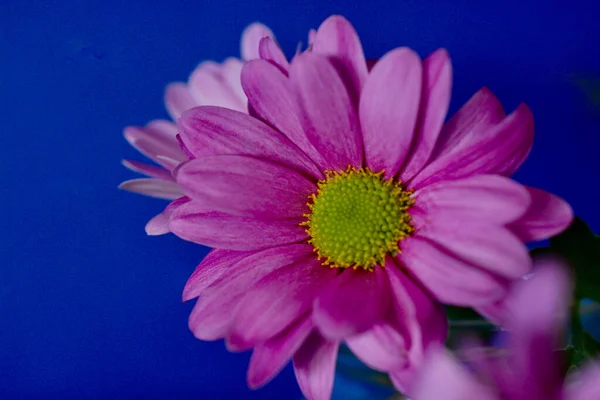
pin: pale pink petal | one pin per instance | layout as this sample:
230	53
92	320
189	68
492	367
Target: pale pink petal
155	140
314	366
585	384
209	89
270	51
178	99
210	269
251	38
208	131
470	124
477	243
339	312
388	110
495	312
270	98
450	279
231	72
435	99
246	186
445	378
490	198
337	38
152	187
266	309
547	216
159	225
328	117
500	151
214	312
382	347
312	33
270	357
149	170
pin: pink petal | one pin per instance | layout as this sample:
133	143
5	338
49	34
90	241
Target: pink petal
159	225
266	309
311	36
251	38
444	378
271	99
490	198
470	124
209	89
152	187
208	131
210	269
149	170
231	73
388	110
479	244
314	365
215	310
382	347
270	357
435	99
178	99
246	186
328	117
154	140
192	222
500	151
450	279
270	51
337	38
547	216
585	384
352	303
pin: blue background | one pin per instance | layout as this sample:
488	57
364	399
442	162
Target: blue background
89	305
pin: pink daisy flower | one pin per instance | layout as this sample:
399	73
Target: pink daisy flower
343	209
531	369
210	83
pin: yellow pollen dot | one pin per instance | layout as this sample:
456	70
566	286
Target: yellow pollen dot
357	217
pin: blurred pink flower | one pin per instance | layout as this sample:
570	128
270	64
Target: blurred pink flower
358	167
530	369
210	83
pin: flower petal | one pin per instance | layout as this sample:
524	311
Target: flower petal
475	118
270	51
214	312
245	186
337	38
149	170
585	385
208	131
445	378
159	225
270	98
210	89
479	244
352	303
270	357
178	99
314	366
382	347
450	279
231	72
547	216
192	222
266	309
489	198
388	110
154	140
435	100
152	187
251	38
328	117
500	151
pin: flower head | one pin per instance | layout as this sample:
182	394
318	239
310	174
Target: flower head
210	83
531	368
343	209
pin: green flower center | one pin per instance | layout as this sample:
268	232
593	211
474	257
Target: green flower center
357	218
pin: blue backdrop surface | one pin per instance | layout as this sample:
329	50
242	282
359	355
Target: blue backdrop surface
89	305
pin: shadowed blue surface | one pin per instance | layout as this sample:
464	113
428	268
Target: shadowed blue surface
89	305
